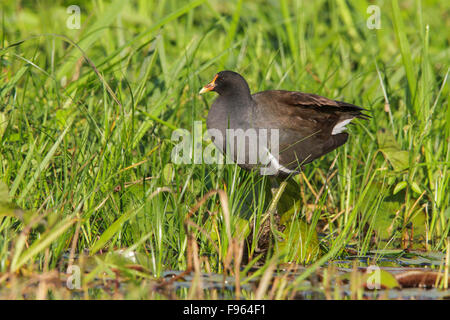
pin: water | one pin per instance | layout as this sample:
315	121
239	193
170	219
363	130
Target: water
415	274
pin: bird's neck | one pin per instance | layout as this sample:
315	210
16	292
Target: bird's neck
238	99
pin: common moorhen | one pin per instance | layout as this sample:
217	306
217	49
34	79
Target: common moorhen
300	127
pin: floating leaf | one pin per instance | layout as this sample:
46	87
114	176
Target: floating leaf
374	278
377	278
422	258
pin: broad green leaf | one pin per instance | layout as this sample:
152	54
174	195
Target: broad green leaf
398	158
379	279
289	202
374	278
399	187
418	229
385	208
415	187
301	244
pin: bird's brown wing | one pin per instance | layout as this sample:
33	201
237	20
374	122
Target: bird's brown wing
306	122
309	100
305	110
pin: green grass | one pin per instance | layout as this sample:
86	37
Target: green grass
86	118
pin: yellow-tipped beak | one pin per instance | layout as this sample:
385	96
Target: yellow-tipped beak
210	86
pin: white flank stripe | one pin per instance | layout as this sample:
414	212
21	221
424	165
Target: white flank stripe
276	164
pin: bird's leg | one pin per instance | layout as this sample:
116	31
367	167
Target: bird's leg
274	184
289	202
277	190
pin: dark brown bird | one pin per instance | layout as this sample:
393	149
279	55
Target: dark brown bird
307	126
